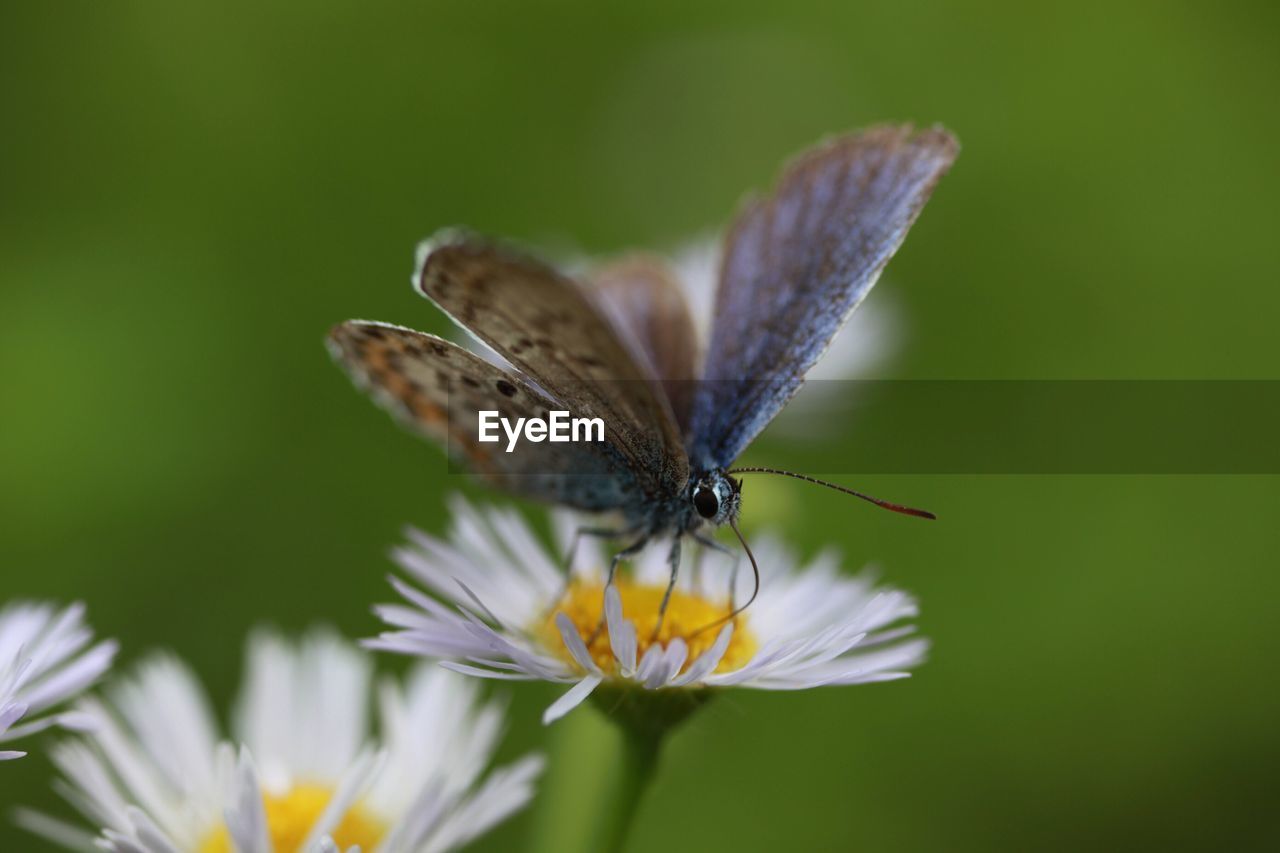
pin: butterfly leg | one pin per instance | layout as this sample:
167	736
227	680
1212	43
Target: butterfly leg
599	532
673	560
634	548
707	542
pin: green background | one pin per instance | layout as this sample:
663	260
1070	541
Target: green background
190	196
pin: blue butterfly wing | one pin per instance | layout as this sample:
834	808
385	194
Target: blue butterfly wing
796	264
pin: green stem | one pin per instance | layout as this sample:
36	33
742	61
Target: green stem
634	773
602	765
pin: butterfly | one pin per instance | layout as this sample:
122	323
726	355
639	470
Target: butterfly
620	345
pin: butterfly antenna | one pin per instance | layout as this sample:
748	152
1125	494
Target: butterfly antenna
755	572
883	504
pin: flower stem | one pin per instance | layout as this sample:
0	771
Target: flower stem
642	719
602	765
635	770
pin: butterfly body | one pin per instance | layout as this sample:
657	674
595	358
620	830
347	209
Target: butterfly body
621	345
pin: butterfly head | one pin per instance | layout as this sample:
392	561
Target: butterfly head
716	497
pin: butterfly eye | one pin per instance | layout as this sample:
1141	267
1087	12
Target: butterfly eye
706	502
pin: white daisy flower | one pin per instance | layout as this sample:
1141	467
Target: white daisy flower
302	774
45	659
502	609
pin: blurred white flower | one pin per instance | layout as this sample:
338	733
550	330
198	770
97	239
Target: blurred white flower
502	609
45	659
303	774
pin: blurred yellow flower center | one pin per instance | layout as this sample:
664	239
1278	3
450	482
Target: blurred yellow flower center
291	816
686	614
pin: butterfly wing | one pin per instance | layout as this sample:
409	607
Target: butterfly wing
796	264
437	389
648	309
547	328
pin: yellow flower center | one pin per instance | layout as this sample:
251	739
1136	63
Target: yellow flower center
290	817
686	615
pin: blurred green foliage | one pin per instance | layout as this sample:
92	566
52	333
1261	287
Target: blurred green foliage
191	194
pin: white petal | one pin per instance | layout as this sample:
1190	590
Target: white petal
150	835
668	664
573	642
10	714
54	829
353	785
507	790
708	660
247	816
479	672
622	633
572	698
73	678
652	660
